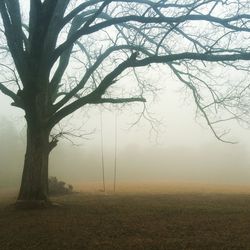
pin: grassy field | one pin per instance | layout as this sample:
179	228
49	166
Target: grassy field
129	221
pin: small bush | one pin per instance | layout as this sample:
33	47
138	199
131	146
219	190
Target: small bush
57	187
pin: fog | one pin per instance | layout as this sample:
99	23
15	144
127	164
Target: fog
183	151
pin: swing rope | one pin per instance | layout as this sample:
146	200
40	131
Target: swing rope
103	169
115	155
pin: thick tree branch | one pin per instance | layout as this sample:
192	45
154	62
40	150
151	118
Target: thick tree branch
96	14
192	56
77	10
64	59
120	100
56	10
17	100
10	13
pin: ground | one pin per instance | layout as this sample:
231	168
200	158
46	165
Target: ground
126	220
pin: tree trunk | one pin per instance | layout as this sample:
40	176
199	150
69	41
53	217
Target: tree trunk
34	185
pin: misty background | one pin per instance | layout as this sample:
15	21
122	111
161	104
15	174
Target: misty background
181	149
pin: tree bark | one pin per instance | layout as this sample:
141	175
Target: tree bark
34	184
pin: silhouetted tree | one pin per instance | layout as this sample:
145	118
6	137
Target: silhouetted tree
64	55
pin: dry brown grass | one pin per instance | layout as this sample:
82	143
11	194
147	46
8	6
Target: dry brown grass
174	220
163	187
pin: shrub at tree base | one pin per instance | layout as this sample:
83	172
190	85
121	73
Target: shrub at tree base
57	187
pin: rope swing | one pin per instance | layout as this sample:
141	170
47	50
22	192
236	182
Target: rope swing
102	155
115	154
103	169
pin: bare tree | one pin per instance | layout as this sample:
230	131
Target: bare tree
65	55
